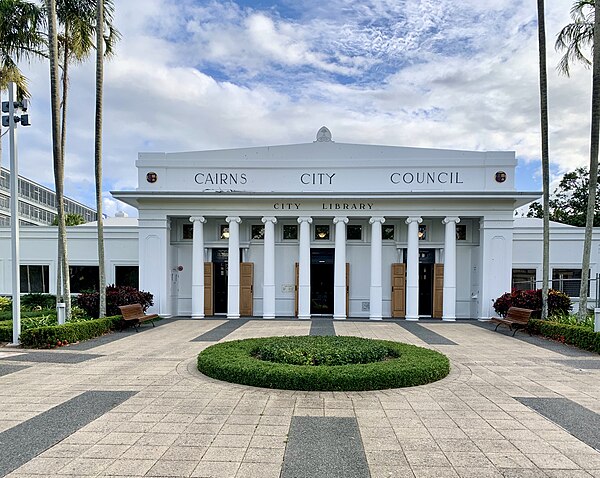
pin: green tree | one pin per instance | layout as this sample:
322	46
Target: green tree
71	219
77	19
21	39
545	155
568	203
575	40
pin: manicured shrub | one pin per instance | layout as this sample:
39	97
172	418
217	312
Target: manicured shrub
115	296
403	366
57	335
7	315
558	302
576	335
6	331
38	301
5	304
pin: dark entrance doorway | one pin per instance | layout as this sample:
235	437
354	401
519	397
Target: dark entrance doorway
220	260
426	262
321	281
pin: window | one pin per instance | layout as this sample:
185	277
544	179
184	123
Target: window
523	279
224	231
321	233
258	231
188	231
422	232
290	232
567	281
84	278
354	233
461	232
388	232
35	279
127	275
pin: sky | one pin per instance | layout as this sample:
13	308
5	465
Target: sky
198	75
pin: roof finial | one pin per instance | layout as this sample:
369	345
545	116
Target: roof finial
324	135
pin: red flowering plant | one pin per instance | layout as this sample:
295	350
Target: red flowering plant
558	302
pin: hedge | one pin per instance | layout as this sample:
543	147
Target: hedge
558	302
115	296
578	336
236	362
51	336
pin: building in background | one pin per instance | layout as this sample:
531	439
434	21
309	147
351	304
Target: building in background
37	204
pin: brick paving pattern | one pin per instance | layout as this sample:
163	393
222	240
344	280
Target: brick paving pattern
182	424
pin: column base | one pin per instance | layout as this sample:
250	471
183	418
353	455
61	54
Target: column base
304	317
376	317
268	317
165	316
339	317
412	319
13	345
197	316
449	319
233	316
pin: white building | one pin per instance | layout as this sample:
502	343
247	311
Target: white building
322	228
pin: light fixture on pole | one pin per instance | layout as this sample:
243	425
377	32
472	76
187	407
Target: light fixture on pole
15	110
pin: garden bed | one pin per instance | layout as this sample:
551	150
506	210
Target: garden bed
322	363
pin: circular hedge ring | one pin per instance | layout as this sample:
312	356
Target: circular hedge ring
322	363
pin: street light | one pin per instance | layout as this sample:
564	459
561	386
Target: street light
15	110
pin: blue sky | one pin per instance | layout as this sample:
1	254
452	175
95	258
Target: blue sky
194	75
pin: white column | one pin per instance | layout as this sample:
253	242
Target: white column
233	268
339	278
269	266
449	311
375	296
412	269
198	267
304	268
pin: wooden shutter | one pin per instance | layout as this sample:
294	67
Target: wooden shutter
398	290
208	289
297	275
246	289
438	290
347	288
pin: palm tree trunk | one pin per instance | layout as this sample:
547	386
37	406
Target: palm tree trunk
98	150
63	146
545	155
56	145
594	137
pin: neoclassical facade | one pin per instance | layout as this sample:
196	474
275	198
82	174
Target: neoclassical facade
326	228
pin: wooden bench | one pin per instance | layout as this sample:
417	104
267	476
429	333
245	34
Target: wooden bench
134	315
516	318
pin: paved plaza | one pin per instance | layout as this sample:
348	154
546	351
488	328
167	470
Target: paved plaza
133	404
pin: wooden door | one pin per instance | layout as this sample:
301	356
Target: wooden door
208	289
438	290
398	290
347	288
246	289
297	275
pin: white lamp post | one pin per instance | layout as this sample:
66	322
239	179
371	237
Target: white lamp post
14	109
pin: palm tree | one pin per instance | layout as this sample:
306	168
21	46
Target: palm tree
98	150
575	39
545	155
20	39
58	160
78	21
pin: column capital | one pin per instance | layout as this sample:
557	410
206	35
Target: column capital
416	219
272	219
377	219
307	219
200	219
230	219
448	219
340	219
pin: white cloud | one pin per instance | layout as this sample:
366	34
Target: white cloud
203	75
